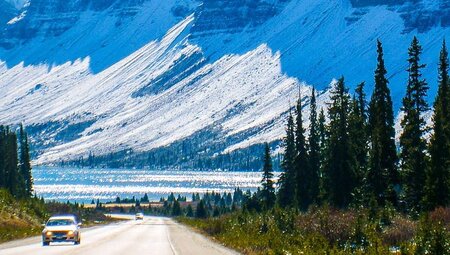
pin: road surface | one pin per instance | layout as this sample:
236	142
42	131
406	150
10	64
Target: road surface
153	235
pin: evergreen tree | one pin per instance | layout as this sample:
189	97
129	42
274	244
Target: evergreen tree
25	164
382	172
3	176
323	141
201	211
302	173
412	143
14	180
145	198
216	212
314	151
189	211
339	162
359	143
176	208
286	192
268	190
437	188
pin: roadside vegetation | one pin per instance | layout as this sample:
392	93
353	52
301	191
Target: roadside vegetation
22	212
323	230
20	218
346	186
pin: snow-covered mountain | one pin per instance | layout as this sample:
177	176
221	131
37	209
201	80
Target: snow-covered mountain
101	76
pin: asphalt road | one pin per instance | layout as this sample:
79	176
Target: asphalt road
153	235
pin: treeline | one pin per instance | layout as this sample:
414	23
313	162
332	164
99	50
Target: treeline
210	204
15	166
201	151
352	159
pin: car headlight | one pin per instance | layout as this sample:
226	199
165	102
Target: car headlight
48	233
70	233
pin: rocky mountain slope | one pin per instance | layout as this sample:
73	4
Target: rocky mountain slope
105	76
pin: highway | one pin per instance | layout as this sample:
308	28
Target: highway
153	235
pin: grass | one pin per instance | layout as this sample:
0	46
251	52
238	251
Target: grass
19	218
329	231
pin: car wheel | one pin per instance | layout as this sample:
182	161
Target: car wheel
45	243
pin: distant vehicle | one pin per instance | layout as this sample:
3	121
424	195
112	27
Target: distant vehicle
61	229
139	216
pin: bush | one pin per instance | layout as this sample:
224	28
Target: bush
433	235
328	231
20	218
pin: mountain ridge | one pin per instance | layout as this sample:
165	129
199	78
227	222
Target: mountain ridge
141	75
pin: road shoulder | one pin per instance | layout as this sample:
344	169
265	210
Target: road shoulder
186	240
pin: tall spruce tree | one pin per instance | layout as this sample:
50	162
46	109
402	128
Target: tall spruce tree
314	150
359	144
412	143
382	172
24	163
3	176
339	162
268	190
14	180
437	187
323	144
302	173
286	191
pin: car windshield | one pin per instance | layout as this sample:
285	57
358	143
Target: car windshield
60	222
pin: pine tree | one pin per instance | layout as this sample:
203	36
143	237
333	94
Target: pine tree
302	173
412	144
201	211
286	192
189	211
437	187
359	143
176	208
3	176
314	151
268	190
14	180
323	144
339	161
382	172
25	165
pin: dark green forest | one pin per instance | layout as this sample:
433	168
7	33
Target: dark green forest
353	159
347	186
15	165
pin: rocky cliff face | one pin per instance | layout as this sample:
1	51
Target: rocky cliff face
47	18
54	17
215	16
417	14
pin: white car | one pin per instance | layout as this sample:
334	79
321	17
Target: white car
61	229
139	216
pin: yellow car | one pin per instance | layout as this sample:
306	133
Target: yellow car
61	229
